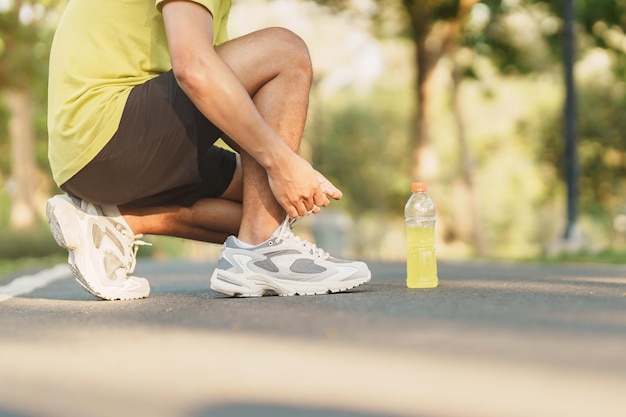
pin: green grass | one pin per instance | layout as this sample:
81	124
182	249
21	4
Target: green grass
28	250
11	267
609	256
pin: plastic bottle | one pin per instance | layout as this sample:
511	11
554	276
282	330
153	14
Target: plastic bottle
419	215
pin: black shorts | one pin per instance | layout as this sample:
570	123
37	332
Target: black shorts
163	153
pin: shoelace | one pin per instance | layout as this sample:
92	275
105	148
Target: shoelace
135	247
285	233
134	241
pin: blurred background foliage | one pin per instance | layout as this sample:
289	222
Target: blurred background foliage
467	95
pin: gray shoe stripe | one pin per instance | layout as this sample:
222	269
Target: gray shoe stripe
267	265
223	264
307	266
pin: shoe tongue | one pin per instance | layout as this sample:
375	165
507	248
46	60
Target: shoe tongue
282	228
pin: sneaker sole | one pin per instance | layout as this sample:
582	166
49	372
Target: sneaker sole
76	258
260	285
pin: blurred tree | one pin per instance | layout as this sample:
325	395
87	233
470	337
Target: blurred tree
25	34
435	27
370	168
602	142
601	70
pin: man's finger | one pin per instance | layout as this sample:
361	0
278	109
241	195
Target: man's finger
328	188
302	208
291	210
320	199
332	192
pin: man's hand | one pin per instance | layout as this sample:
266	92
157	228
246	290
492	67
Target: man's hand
328	188
299	188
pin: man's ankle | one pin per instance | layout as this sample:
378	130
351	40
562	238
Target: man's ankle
258	233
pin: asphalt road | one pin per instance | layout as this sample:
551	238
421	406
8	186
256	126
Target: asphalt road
494	339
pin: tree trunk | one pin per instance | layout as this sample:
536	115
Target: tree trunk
428	50
434	39
466	160
467	169
22	184
426	161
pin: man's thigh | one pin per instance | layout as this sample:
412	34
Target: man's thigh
162	153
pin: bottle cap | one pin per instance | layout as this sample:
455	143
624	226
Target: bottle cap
419	187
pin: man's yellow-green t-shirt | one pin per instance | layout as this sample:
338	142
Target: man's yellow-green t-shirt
101	49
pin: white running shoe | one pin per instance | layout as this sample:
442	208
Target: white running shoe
102	248
283	264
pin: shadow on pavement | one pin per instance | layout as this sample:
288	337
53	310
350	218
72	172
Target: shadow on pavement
265	410
11	414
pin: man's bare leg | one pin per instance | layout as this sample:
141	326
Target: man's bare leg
208	220
275	68
290	266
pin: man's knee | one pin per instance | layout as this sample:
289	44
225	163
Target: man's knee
292	48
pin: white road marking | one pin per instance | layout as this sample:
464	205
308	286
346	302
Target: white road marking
29	283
